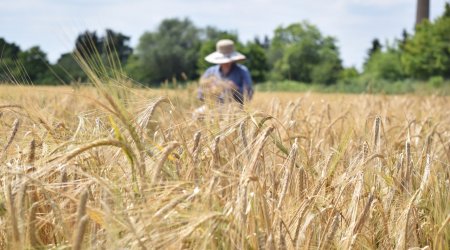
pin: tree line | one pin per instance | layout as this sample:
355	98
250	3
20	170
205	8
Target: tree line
175	51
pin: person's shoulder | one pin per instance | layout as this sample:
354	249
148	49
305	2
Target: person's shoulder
213	68
242	67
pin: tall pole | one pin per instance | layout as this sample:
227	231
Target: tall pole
423	10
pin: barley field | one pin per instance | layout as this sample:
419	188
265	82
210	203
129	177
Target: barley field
116	167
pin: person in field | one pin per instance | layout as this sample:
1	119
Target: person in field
227	80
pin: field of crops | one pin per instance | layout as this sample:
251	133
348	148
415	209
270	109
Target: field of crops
114	167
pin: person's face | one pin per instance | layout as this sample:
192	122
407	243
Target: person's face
226	67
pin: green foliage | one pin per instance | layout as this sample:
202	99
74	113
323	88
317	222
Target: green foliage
29	66
34	60
256	61
299	52
447	10
436	81
170	52
376	47
427	53
116	47
68	70
385	65
348	74
361	84
9	55
88	45
286	86
8	50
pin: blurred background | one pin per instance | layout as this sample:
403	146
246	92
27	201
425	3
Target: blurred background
344	45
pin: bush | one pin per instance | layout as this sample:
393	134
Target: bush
436	81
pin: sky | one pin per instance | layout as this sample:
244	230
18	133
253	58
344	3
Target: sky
54	24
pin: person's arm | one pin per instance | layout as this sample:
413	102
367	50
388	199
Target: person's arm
248	83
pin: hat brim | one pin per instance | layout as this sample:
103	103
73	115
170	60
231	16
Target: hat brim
219	58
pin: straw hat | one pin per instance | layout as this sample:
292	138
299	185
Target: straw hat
224	53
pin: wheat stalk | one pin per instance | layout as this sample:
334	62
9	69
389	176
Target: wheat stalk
15	128
165	153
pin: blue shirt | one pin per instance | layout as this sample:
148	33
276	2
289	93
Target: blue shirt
238	75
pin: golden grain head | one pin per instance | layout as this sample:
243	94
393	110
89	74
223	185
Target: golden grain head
132	169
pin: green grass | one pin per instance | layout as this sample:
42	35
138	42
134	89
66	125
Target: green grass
359	86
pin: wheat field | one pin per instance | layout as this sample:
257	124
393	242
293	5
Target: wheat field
117	167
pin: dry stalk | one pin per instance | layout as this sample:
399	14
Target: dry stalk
327	244
13	133
242	135
32	152
94	144
215	153
197	137
146	115
81	209
13	215
32	230
407	176
123	116
11	106
22	206
289	166
365	150
376	133
364	214
77	241
428	144
441	229
250	169
165	154
270	243
172	204
425	176
403	240
282	239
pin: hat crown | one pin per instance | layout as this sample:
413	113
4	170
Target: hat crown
225	46
225	53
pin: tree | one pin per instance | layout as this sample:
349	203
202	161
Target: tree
88	46
36	65
104	54
328	69
8	50
376	48
427	53
300	52
170	52
68	70
256	61
29	66
402	42
116	46
9	54
385	65
447	10
348	74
